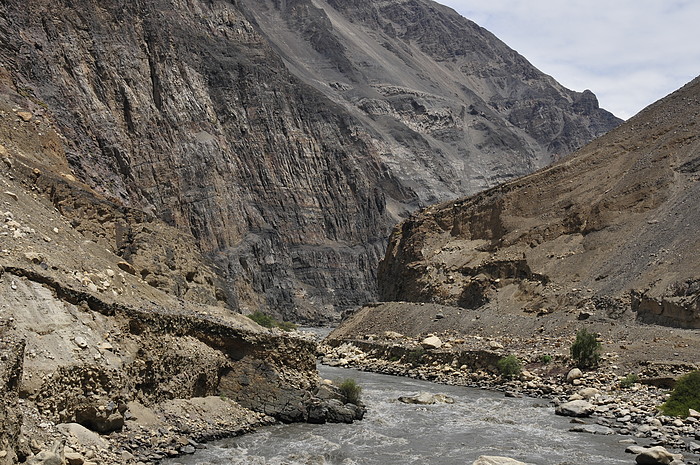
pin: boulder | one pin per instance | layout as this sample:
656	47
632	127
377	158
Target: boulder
495	345
576	408
53	456
337	412
493	460
592	429
426	398
80	342
74	458
588	393
25	116
431	342
318	413
82	435
654	456
126	266
573	375
328	391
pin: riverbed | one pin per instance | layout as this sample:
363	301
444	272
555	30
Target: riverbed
478	423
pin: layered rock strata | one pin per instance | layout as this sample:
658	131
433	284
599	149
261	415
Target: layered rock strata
187	111
88	336
608	231
451	109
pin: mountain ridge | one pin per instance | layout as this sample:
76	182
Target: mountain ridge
609	227
458	80
187	112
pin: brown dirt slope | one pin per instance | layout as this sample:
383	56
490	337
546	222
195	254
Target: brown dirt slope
614	228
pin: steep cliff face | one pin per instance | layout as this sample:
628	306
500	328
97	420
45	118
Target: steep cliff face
187	111
86	335
452	109
182	110
611	229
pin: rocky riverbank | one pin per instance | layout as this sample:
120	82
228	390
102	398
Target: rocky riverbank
103	360
603	401
114	420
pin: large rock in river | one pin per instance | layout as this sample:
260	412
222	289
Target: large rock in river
575	408
426	398
655	456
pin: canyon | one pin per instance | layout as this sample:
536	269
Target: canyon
288	164
169	167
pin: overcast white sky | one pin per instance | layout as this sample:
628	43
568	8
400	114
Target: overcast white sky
630	53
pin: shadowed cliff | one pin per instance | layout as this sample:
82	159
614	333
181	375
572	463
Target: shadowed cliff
188	111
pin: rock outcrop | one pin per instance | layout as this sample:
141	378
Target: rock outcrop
188	111
608	231
85	334
451	109
185	112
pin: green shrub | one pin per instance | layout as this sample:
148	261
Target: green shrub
267	321
262	319
629	381
286	326
546	359
685	395
415	356
350	390
585	350
510	366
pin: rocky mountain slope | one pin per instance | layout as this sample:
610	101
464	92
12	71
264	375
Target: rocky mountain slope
609	231
89	343
451	109
604	241
195	113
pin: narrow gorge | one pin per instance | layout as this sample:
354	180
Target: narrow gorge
288	167
168	167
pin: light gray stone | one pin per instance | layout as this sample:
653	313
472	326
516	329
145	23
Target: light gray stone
431	342
655	456
592	429
426	398
576	408
588	393
53	456
573	375
494	460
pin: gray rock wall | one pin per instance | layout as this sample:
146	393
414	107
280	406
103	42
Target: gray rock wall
193	112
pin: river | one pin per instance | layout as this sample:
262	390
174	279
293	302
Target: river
478	423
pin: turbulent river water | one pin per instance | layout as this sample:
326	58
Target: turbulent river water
478	423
